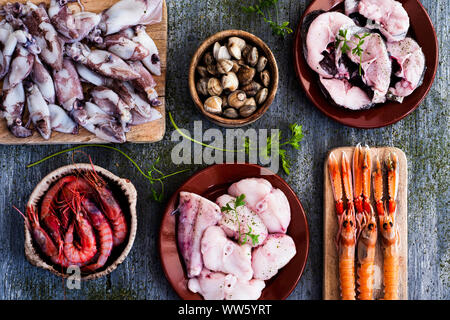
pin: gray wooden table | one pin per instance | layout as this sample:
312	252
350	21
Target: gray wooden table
423	136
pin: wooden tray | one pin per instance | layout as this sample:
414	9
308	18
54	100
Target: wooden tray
145	133
331	289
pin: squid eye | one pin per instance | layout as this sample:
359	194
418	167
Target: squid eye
391	224
370	226
351	223
385	225
345	223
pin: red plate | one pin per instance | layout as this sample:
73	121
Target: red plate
211	183
385	114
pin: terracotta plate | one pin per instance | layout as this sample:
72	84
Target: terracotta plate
211	183
421	30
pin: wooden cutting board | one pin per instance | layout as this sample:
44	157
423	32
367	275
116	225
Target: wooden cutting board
145	133
331	286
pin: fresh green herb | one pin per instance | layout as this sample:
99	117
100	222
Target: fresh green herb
160	176
357	50
262	9
239	202
294	140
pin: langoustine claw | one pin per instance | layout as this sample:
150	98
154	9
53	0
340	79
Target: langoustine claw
39	111
96	121
104	62
112	104
39	25
12	109
128	13
67	84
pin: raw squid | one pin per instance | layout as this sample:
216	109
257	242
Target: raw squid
39	111
196	214
39	25
344	94
12	109
21	66
60	120
319	30
388	16
67	84
152	61
409	66
96	121
145	82
142	111
103	62
128	13
125	48
87	75
110	102
42	78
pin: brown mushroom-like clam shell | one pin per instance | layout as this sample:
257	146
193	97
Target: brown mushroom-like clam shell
126	194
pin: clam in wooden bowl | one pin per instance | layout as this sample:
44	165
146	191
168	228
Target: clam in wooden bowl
271	66
126	195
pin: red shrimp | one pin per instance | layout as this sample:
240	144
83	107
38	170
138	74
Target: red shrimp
87	247
48	216
110	207
105	234
43	240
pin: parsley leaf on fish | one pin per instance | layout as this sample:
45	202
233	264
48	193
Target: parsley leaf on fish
357	50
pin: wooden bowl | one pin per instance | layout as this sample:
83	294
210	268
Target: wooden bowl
126	195
271	66
385	114
211	183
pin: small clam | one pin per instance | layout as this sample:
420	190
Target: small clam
261	65
203	71
236	66
245	74
235	51
223	54
212	69
247	111
237	99
246	51
231	113
230	82
251	89
202	86
252	57
224	66
265	78
214	87
237	41
208	58
250	102
216	49
261	96
213	105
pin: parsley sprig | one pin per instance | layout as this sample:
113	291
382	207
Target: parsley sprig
357	50
231	207
262	9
